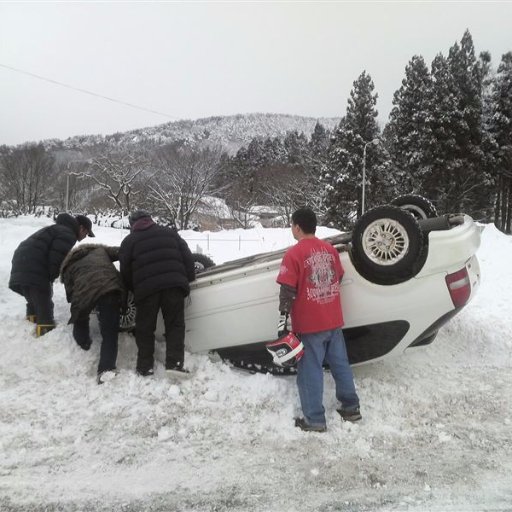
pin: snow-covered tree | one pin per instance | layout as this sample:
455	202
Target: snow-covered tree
500	124
274	151
117	173
342	177
26	177
319	143
183	176
296	147
445	122
500	127
459	180
407	132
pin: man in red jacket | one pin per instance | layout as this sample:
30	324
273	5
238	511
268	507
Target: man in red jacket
310	276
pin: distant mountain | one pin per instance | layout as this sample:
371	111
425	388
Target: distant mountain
231	132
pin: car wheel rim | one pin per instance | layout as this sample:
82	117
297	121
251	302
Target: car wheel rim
128	320
385	241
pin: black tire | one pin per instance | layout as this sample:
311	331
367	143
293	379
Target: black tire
387	245
202	262
127	320
418	206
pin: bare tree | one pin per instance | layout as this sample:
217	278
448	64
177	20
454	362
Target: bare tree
182	177
26	177
287	187
118	175
71	192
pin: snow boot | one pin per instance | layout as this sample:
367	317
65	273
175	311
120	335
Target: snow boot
350	415
106	376
306	427
177	370
146	373
42	329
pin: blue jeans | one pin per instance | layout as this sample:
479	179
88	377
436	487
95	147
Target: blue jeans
328	346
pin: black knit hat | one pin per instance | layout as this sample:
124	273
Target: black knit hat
137	215
86	223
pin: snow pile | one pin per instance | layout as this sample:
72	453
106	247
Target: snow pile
435	433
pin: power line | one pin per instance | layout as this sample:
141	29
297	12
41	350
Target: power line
85	91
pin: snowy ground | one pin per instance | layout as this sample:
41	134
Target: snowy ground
435	436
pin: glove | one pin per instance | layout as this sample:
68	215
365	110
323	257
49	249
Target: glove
284	325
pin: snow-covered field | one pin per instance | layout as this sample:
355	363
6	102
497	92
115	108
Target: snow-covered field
436	433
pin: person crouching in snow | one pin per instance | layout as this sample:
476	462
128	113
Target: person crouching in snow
91	280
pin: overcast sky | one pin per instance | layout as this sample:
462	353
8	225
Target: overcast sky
192	60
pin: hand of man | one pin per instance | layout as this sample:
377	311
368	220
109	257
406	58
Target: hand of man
284	325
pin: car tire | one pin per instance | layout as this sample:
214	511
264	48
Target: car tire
387	245
418	206
127	320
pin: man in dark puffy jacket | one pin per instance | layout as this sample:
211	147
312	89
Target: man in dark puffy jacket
157	265
36	264
91	279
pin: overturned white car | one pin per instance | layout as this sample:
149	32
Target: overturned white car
405	276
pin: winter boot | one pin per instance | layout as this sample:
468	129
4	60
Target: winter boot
146	373
106	376
42	329
306	427
350	414
176	370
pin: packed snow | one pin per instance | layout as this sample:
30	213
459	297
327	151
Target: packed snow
435	434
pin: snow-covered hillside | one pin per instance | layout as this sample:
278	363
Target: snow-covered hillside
435	434
230	132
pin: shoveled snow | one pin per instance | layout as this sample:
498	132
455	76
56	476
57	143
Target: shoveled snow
436	433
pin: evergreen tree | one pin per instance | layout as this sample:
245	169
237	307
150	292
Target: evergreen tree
316	166
471	184
319	143
501	119
342	177
489	144
274	151
445	122
296	146
459	178
407	133
484	66
255	153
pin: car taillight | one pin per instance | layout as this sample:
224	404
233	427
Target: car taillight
459	286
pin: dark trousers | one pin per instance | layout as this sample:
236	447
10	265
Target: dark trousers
172	304
108	306
39	304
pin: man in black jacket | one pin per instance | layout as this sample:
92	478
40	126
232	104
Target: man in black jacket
91	279
36	264
157	265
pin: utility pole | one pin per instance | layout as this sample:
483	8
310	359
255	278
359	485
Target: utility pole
67	191
374	142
